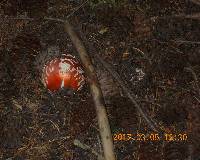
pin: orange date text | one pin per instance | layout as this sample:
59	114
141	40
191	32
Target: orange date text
149	137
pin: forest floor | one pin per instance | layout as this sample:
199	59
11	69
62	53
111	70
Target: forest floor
153	45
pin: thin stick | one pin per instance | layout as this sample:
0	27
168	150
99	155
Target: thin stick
195	16
104	126
79	7
186	42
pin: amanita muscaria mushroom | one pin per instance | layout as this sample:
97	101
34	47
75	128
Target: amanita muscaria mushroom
63	72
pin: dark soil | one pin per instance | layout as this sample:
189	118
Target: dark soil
156	54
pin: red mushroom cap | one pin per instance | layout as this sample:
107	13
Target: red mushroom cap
63	72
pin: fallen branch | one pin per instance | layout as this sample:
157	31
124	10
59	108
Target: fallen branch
104	126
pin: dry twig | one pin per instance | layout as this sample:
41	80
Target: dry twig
76	9
195	16
185	42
